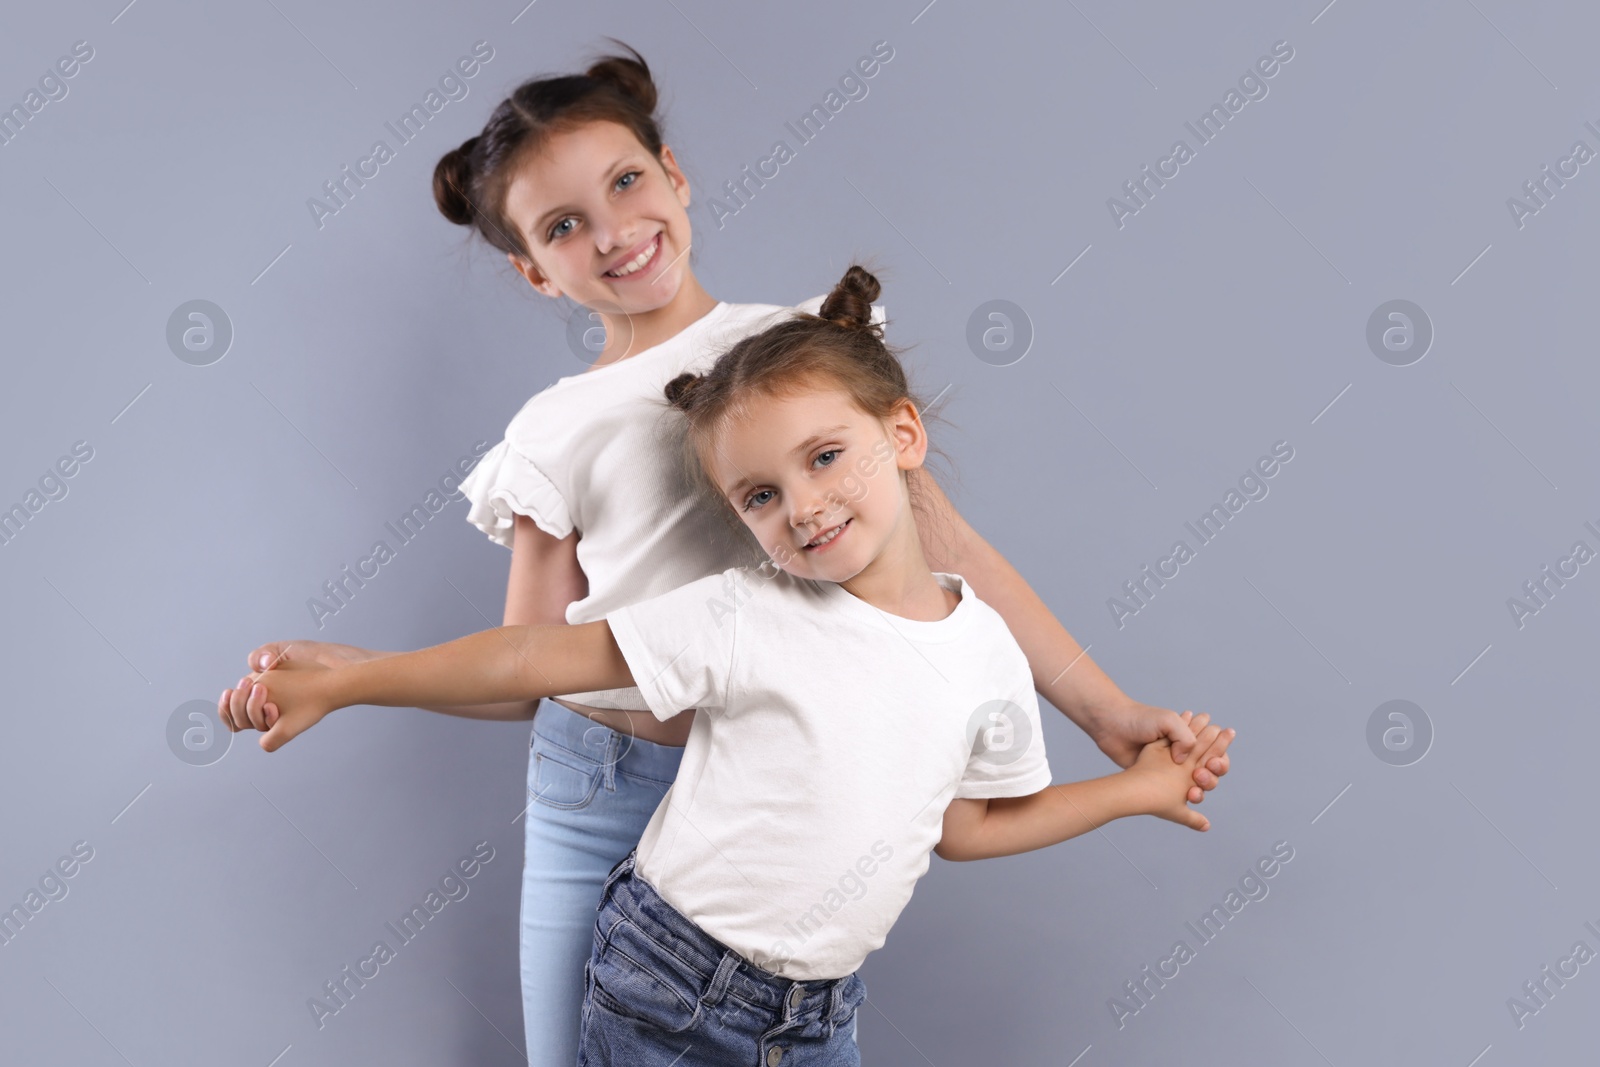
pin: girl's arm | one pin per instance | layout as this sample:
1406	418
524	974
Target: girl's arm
507	663
545	578
1004	826
1062	673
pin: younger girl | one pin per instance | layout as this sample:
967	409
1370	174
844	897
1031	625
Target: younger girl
850	700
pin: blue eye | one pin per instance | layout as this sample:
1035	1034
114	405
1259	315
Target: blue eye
557	231
631	178
752	496
829	452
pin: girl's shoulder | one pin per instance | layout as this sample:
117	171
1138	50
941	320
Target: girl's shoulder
572	398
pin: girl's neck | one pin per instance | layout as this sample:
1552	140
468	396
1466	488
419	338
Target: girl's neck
900	582
628	336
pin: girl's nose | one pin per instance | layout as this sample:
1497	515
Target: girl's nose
806	513
612	234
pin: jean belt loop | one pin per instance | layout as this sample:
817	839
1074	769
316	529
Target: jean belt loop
718	986
622	869
613	753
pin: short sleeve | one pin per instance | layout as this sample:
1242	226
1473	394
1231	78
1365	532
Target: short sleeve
505	484
1008	758
679	645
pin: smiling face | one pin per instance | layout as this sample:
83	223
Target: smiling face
817	481
604	220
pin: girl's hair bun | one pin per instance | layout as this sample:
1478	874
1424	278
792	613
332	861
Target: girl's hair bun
629	75
452	177
850	303
679	389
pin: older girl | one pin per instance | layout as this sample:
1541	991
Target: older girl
571	179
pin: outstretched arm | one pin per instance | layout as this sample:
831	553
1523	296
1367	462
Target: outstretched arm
1154	785
503	664
545	578
1062	672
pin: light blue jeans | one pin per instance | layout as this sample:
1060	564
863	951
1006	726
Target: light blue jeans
591	791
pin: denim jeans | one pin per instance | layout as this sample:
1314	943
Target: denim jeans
591	791
660	991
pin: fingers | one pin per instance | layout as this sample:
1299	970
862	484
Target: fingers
253	706
275	652
1181	737
238	697
1195	821
239	703
277	737
224	712
1213	762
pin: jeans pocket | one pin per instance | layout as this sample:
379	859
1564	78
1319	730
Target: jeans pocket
638	979
562	779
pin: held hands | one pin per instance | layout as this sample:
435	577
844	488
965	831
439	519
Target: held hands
298	685
1125	730
1164	785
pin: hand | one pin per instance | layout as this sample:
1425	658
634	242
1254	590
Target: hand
1125	729
237	708
1164	784
299	700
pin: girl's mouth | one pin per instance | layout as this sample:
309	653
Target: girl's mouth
828	537
638	263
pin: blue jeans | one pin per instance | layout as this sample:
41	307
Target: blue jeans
591	790
661	991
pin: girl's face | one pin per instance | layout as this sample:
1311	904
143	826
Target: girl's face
817	480
603	219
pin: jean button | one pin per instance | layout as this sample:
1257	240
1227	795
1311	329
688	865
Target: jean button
774	1057
796	995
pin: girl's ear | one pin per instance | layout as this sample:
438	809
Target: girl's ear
908	434
536	278
680	184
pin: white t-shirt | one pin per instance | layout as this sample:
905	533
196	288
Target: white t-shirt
831	737
600	452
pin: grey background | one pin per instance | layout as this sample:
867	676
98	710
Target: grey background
1228	314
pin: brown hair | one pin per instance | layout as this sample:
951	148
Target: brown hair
839	347
470	182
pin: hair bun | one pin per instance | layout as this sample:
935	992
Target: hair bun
850	303
452	177
628	74
680	388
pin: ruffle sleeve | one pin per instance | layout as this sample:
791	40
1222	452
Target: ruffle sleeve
505	484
